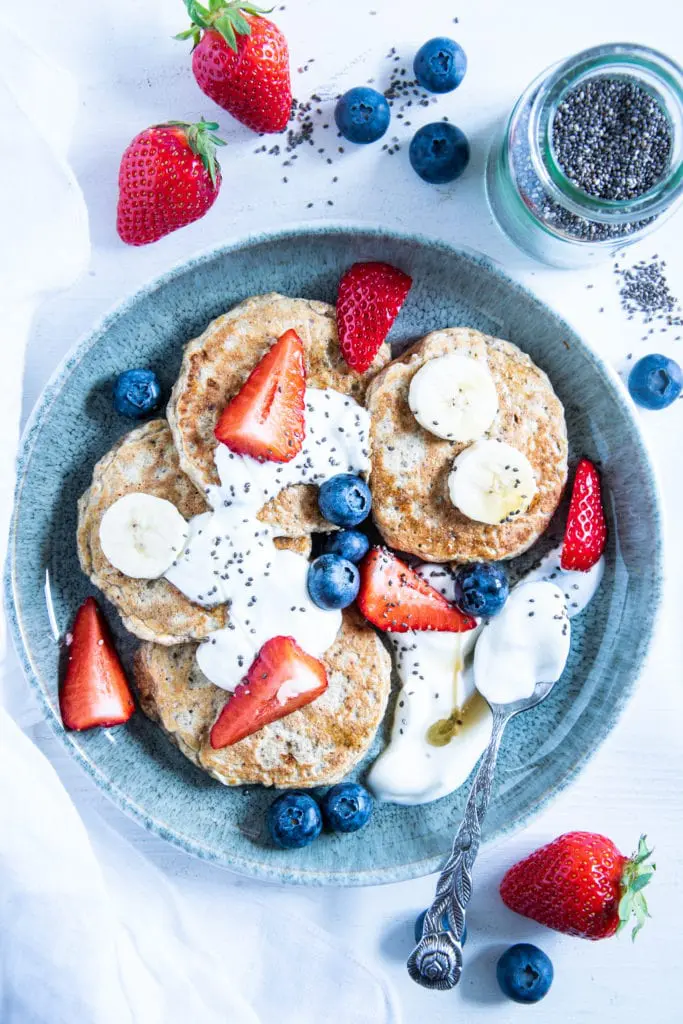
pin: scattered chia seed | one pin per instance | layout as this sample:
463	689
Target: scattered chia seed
311	120
644	292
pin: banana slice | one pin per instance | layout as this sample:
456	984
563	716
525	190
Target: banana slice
492	482
454	397
141	535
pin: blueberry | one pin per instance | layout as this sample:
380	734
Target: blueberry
294	820
439	152
655	382
350	544
481	589
419	925
333	582
362	115
136	393
440	65
345	500
346	807
524	973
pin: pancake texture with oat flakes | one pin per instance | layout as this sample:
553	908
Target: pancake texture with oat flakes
410	466
314	746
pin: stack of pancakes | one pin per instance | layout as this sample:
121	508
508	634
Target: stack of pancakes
173	459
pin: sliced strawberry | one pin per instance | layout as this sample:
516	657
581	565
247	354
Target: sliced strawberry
370	297
266	418
395	599
94	690
282	679
585	535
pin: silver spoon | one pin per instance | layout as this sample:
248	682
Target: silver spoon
436	961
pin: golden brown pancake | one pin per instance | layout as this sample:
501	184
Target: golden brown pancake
410	467
315	746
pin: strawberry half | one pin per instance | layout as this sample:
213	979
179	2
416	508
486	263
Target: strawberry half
94	690
169	177
266	418
282	679
241	61
369	299
585	535
580	884
395	599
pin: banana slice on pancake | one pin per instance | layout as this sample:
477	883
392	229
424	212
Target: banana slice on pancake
141	535
492	482
454	397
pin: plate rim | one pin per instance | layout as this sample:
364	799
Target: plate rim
27	445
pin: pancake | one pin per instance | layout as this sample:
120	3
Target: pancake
146	460
216	365
315	746
410	466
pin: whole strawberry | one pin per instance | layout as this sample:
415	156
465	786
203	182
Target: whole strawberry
169	177
580	884
241	61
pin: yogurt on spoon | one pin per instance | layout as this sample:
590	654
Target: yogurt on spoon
527	643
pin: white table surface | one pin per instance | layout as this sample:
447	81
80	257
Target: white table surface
132	74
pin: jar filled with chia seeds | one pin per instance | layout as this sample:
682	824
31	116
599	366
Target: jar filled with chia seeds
591	157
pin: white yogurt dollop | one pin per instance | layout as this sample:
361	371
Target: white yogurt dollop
230	556
527	643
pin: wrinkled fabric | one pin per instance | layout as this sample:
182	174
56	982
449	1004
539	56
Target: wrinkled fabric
92	931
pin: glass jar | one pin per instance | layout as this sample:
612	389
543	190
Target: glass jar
537	205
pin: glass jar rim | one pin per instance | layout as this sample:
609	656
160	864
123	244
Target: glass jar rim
617	58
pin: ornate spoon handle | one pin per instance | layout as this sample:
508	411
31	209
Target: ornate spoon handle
436	961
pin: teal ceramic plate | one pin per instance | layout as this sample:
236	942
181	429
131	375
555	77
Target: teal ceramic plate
74	424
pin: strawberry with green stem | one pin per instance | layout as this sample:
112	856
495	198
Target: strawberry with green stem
241	61
169	177
580	884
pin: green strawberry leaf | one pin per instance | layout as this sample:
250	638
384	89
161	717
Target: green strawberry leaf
198	15
192	33
642	853
223	16
202	141
240	24
641	881
636	875
224	25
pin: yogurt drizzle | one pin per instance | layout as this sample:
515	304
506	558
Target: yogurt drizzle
230	556
438	686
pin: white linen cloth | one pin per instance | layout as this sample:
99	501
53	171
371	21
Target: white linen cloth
92	932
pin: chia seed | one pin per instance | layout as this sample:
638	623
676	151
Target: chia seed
644	292
311	122
611	138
